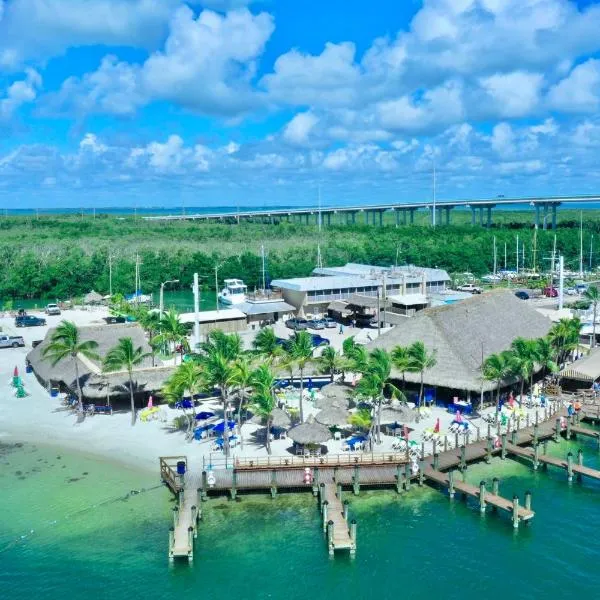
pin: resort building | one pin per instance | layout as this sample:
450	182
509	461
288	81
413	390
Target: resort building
329	284
228	320
462	336
99	387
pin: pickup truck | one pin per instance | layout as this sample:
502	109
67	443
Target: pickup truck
11	341
469	287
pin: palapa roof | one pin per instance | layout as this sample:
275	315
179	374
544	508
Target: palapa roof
279	419
457	333
93	298
93	382
392	414
309	432
334	393
585	369
334	415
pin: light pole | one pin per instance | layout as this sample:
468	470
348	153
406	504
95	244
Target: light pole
161	306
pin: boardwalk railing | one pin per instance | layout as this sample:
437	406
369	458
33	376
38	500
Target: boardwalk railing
328	460
168	472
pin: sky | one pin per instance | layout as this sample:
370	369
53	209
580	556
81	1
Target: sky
178	104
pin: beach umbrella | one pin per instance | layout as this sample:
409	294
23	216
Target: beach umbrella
202	416
309	432
335	415
16	372
220	427
436	429
150	400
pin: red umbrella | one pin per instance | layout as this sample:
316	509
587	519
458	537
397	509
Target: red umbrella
16	372
436	429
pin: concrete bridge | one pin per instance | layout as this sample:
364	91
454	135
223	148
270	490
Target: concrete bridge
404	214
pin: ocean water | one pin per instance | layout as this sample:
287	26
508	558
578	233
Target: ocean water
74	527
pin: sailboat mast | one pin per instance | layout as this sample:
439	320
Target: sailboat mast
535	250
591	250
581	243
264	270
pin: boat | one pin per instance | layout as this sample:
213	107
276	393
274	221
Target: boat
233	292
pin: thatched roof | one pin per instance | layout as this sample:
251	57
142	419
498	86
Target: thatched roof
309	432
391	415
458	333
92	298
585	369
93	381
279	419
334	393
335	415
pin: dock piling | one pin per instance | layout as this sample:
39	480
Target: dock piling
322	494
324	510
233	490
345	513
515	512
330	537
557	430
463	458
528	500
407	476
514	436
421	469
488	450
569	423
436	461
273	484
482	496
570	466
503	455
399	481
579	462
203	494
536	455
451	484
356	480
495	487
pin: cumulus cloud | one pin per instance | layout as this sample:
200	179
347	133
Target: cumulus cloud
20	92
298	129
579	91
39	29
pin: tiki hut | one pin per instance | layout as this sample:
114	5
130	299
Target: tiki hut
309	433
334	393
333	416
463	334
93	298
96	385
279	419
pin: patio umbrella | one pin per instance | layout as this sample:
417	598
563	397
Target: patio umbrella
16	372
220	427
309	432
202	416
334	392
335	415
150	400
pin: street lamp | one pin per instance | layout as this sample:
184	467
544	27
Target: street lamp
161	306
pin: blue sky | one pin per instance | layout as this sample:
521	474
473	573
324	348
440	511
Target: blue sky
235	102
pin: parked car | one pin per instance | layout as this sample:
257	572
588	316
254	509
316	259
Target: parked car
522	295
318	340
469	287
296	324
112	319
581	288
330	323
550	292
316	324
11	341
29	321
52	309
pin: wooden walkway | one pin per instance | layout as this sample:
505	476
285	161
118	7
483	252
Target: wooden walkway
484	497
185	525
340	536
568	464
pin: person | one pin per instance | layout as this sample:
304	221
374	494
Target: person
577	406
341	328
353	323
570	410
596	388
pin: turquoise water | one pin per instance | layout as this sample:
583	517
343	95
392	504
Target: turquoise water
70	527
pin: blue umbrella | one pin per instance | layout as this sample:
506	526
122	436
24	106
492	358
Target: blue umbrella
202	416
220	427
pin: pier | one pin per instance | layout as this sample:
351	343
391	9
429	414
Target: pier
340	535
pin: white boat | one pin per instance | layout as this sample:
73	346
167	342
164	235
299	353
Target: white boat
234	292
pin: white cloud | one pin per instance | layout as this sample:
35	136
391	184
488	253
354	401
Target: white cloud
90	142
39	29
503	140
299	128
222	5
579	91
514	94
20	92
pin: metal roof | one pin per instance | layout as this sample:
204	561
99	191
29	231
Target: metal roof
265	308
394	273
408	299
312	284
210	316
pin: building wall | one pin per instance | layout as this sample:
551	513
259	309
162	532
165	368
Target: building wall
233	326
294	297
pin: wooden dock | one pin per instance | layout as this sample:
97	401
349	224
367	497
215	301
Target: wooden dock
340	535
448	481
568	465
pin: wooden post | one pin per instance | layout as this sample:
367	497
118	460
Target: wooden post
434	447
436	461
535	433
345	509
446	443
324	510
489	434
536	456
482	496
273	484
451	484
503	455
233	484
315	481
569	423
514	437
456	440
579	462
515	512
421	469
528	500
570	466
338	491
175	516
407	476
463	458
191	543
353	531
330	537
495	487
399	482
171	542
488	450
322	494
335	473
203	493
557	430
356	480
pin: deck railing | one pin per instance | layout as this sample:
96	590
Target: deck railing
328	460
168	471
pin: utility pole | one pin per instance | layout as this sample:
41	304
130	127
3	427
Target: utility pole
505	257
535	250
561	281
591	251
553	266
196	290
580	243
110	291
495	257
263	268
434	196
517	254
217	286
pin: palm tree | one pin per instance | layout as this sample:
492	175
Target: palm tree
420	361
64	343
374	383
263	397
496	367
267	344
150	322
523	360
361	419
300	351
564	337
171	332
546	355
330	361
241	379
402	361
126	356
593	295
188	377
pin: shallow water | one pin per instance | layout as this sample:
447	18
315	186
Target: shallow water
71	525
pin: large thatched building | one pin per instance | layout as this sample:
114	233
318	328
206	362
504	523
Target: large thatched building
97	386
462	334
